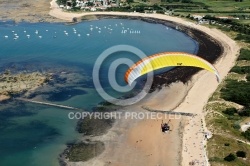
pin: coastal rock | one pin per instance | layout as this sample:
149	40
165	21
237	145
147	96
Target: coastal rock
13	84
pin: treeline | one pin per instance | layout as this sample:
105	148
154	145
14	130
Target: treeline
237	91
243	37
244	54
120	9
233	111
241	69
138	8
231	24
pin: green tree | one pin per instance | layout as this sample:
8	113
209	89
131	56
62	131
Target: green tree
230	157
90	4
245	112
248	77
230	111
244	54
237	91
241	154
246	134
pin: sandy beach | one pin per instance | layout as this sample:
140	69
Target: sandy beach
139	142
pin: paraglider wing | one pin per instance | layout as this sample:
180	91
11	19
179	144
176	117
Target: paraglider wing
167	59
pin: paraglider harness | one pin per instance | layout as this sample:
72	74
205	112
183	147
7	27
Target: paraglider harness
165	127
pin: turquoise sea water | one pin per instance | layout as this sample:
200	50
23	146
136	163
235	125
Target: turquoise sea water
32	134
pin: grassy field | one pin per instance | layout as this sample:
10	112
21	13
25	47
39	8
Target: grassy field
244	21
204	7
220	146
226	127
226	5
211	5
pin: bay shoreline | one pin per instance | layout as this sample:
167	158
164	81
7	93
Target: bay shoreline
209	49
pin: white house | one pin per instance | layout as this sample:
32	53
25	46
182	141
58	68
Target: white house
79	3
68	7
197	17
93	9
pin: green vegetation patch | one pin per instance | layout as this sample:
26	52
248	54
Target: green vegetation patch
241	69
230	111
243	37
230	157
241	154
237	91
220	147
85	151
246	134
100	121
94	126
244	54
226	5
